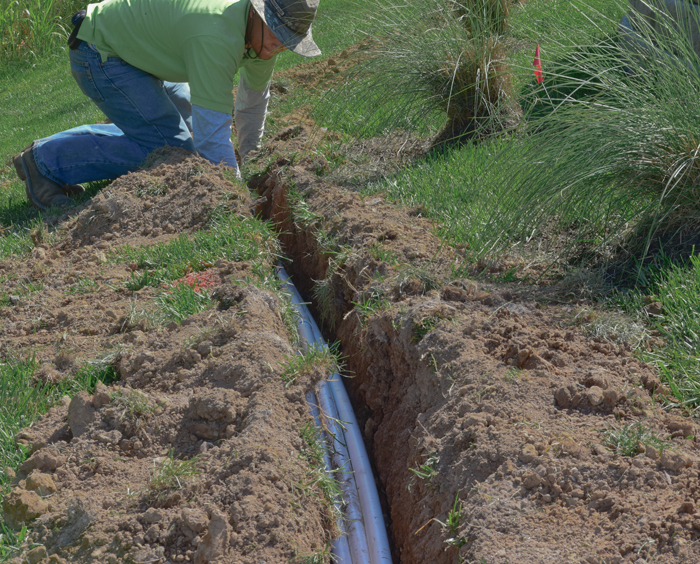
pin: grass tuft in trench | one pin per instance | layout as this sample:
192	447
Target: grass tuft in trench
324	291
316	357
372	301
426	471
302	216
319	481
319	557
424	325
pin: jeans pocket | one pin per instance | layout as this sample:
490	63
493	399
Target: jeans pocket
83	76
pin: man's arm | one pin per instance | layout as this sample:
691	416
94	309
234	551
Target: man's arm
250	111
212	136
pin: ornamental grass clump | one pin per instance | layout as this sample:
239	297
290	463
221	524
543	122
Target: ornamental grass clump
615	163
479	16
424	61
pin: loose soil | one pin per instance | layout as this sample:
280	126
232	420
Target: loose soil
195	454
485	407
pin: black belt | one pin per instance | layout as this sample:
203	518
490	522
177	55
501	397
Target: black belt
76	20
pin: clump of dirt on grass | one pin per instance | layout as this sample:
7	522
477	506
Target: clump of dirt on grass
197	452
176	193
501	432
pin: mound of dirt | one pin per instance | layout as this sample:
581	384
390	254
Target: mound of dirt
197	453
497	427
82	308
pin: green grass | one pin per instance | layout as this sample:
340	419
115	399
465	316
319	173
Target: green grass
23	400
370	304
38	98
23	288
329	32
38	101
319	482
228	237
319	557
182	301
424	325
11	541
452	524
83	286
459	188
315	357
423	62
584	173
617	168
426	471
30	28
677	288
172	474
624	440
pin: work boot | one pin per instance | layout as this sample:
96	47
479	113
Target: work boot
42	192
72	190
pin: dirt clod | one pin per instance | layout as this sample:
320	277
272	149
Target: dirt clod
21	506
81	414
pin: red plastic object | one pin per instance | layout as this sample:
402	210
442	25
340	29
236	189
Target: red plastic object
538	65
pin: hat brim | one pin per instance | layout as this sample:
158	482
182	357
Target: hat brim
301	44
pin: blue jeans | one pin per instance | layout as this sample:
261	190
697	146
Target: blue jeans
145	112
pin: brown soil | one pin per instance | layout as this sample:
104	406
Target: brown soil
484	398
483	407
195	454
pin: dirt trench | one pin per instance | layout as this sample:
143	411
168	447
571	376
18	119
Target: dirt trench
487	411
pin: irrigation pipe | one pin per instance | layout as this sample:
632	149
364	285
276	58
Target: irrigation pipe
357	536
366	531
341	548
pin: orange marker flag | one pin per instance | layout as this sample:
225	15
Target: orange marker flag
538	65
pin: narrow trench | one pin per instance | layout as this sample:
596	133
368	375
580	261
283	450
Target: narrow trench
485	435
303	274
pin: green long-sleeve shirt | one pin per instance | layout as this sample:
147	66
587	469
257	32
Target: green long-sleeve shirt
197	41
